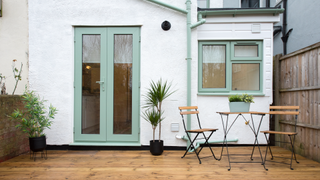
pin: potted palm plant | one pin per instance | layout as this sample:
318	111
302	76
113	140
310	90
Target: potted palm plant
153	111
33	119
240	103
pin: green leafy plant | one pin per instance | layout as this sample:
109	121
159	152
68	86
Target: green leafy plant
34	118
241	98
155	95
235	98
247	98
154	118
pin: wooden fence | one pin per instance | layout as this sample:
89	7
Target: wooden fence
297	82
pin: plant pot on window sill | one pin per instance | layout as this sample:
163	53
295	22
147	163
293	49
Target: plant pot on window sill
239	106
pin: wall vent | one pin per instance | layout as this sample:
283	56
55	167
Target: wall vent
256	28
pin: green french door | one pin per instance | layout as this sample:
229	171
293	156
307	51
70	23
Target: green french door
107	84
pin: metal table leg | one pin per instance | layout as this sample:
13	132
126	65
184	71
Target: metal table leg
255	131
226	131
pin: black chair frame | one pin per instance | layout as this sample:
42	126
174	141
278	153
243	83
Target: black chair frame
291	135
197	132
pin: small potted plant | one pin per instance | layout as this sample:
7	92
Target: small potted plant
33	119
240	103
153	111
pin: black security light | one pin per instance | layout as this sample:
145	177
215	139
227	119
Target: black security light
166	25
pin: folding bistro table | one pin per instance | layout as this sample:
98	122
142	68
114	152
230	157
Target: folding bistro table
255	130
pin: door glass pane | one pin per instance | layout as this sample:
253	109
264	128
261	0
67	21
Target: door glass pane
245	77
246	51
214	66
90	88
122	112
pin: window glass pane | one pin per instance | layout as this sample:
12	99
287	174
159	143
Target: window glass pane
202	3
263	3
91	48
250	3
214	66
246	77
246	51
122	112
90	122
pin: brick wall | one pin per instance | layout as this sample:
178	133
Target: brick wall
13	142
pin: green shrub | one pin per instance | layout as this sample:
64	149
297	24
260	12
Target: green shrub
156	93
235	98
241	98
34	118
247	98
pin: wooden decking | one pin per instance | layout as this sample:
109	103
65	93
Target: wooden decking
142	165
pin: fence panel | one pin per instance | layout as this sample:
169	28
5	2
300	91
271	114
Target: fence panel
297	76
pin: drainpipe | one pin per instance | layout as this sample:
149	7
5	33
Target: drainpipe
200	21
267	3
169	6
189	26
284	26
188	3
285	34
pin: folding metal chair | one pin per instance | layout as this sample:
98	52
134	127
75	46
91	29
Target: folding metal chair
194	110
284	110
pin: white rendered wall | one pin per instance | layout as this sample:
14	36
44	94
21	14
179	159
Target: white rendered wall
14	42
239	28
163	54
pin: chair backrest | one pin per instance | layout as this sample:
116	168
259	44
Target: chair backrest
186	110
286	110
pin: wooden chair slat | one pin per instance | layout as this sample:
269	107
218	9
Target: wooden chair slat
285	112
284	107
278	132
201	130
187	107
189	112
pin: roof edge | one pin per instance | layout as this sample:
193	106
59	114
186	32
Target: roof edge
237	11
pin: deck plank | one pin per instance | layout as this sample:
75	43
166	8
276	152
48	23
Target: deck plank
170	165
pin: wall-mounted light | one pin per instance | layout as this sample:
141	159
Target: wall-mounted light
166	25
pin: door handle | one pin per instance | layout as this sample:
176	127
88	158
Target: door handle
101	84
